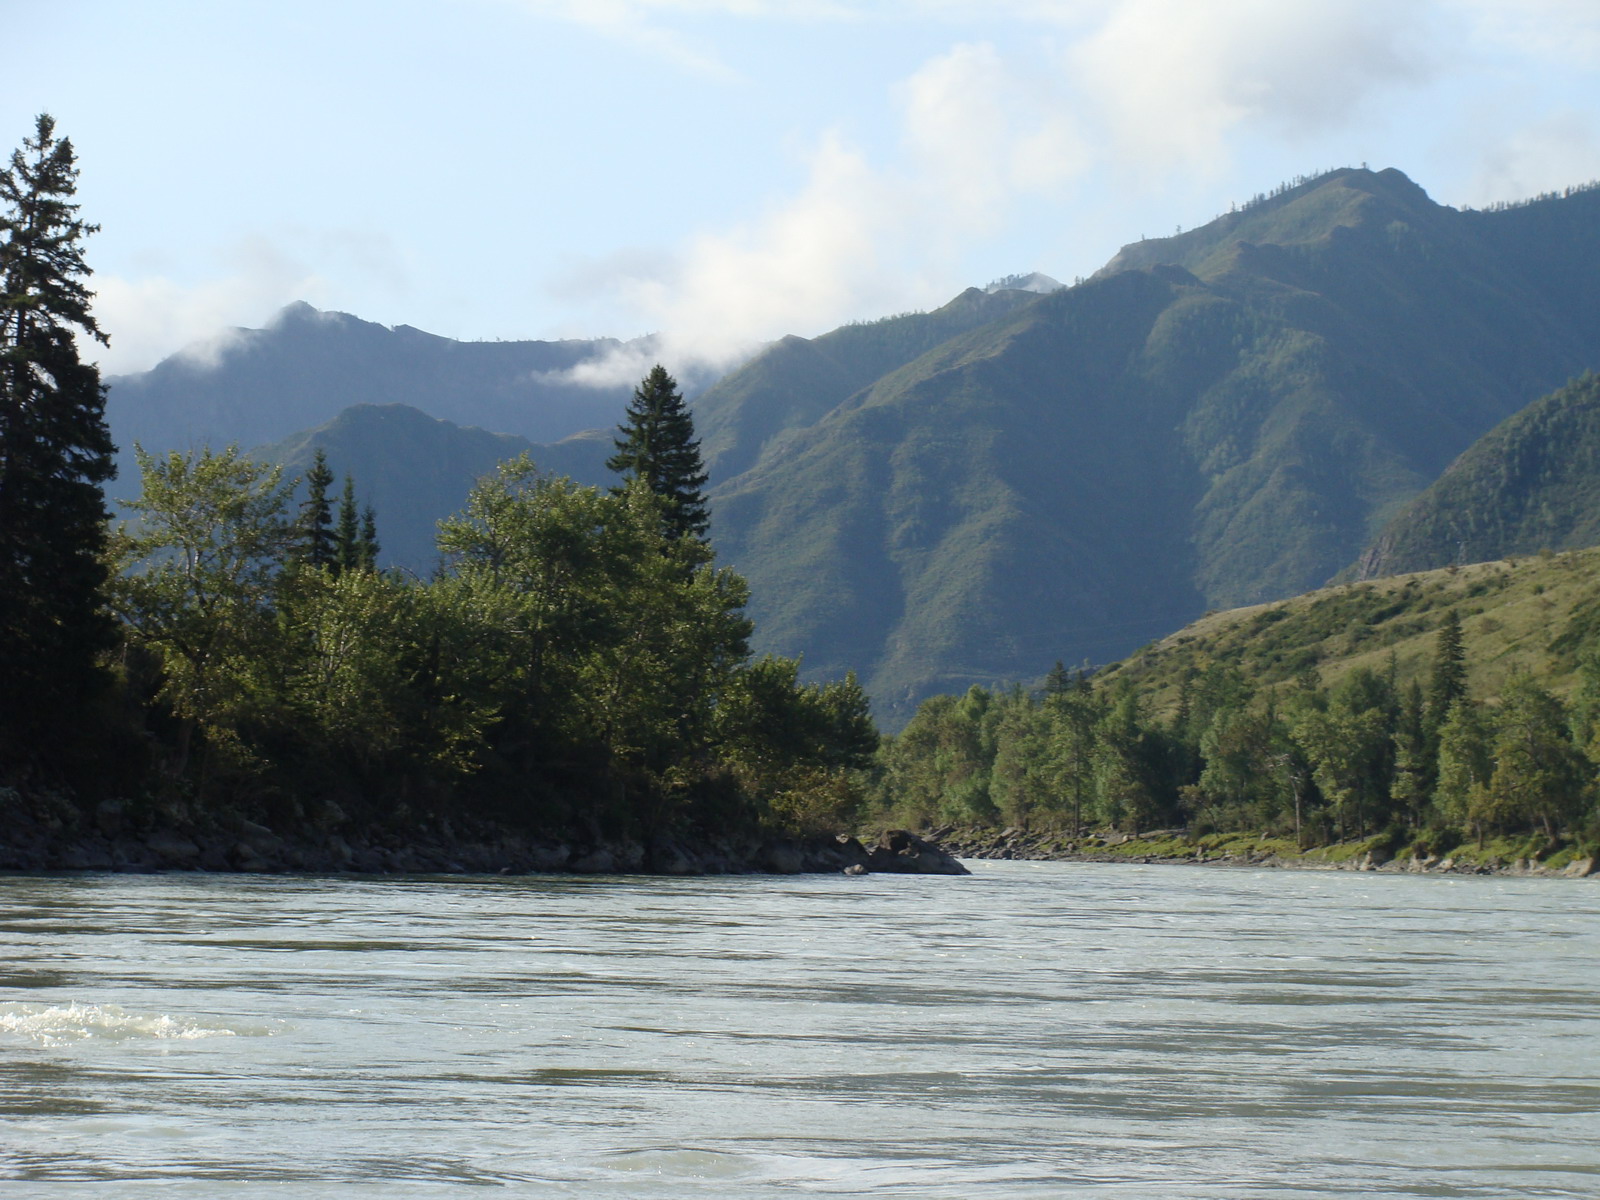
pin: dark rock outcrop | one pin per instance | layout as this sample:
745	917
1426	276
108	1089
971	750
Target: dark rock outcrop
50	833
903	852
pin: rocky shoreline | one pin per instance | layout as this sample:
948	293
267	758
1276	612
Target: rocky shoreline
1177	847
43	836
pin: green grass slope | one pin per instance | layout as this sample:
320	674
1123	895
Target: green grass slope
1518	616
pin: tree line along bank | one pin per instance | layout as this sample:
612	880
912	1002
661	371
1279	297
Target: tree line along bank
578	662
1423	765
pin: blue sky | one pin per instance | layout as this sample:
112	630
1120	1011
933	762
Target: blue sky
727	171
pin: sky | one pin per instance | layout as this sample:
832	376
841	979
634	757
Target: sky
724	172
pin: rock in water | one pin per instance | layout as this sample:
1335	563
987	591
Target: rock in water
903	851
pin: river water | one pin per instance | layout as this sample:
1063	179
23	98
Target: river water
1037	1029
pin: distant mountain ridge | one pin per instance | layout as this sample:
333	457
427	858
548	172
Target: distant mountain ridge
262	385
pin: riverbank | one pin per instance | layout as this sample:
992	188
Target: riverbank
48	833
1501	856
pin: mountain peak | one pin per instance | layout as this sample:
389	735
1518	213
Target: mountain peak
1031	281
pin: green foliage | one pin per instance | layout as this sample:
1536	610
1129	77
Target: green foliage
55	453
1540	778
1532	483
575	666
193	582
658	449
1363	762
318	548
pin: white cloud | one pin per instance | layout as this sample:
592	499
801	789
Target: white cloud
858	239
1559	31
1174	79
149	317
982	129
1557	151
798	267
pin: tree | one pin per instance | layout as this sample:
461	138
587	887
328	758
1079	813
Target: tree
1465	766
1539	776
1449	682
196	578
347	537
55	452
657	446
368	549
318	546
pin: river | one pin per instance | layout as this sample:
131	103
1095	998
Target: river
1035	1030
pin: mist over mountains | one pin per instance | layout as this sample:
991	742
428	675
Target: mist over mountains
258	386
1027	474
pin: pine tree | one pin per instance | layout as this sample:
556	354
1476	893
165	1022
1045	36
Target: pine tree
368	552
1449	682
657	446
318	545
1058	681
55	452
347	538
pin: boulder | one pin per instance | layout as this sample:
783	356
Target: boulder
782	858
667	857
551	856
173	849
87	855
901	851
599	861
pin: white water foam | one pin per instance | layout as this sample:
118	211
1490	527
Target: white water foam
55	1024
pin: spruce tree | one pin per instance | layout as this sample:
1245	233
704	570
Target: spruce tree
55	452
347	539
368	553
318	546
1449	682
657	445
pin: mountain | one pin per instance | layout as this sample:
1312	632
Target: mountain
1219	418
260	385
414	469
1532	483
797	381
1031	473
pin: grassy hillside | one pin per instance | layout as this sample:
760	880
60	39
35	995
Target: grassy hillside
1526	615
1531	483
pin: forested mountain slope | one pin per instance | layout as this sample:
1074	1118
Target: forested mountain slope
1532	483
798	380
1224	417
